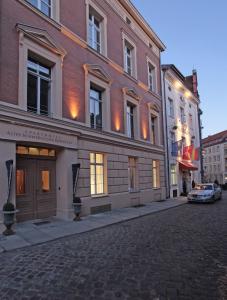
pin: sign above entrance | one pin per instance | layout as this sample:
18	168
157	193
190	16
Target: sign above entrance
26	134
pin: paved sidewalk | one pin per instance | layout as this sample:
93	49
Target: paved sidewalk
28	233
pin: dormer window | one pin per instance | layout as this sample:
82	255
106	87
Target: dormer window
43	5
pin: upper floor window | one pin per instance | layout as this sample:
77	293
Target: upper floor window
182	115
95	107
190	120
172	137
38	87
171	108
151	77
130	120
94	33
43	5
153	129
129	57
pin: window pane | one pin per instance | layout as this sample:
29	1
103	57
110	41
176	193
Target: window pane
45	181
99	158
44	152
44	97
20	182
92	157
33	2
32	91
22	150
45	9
33	151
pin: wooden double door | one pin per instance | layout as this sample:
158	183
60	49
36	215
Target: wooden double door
35	188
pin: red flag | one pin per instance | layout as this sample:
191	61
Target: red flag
187	152
195	154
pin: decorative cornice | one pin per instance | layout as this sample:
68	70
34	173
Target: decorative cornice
98	72
132	93
41	37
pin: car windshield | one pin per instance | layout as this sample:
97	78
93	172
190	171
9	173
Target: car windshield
206	187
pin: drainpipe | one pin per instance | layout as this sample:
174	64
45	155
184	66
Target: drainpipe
201	146
166	135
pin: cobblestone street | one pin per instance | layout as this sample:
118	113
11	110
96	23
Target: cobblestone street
175	254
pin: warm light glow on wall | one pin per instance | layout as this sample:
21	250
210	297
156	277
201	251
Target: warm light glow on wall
187	94
144	129
73	104
73	108
177	84
117	123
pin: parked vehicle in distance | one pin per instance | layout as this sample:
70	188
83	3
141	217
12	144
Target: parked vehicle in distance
206	192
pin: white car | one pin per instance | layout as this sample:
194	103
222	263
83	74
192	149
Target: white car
207	192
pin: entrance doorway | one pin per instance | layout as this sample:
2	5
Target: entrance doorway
35	188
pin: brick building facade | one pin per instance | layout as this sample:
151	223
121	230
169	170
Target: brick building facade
79	83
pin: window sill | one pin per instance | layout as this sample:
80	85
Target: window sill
100	55
131	77
99	196
134	191
157	188
155	94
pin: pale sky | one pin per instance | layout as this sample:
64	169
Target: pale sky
195	34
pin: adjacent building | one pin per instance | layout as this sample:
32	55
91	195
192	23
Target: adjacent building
182	130
80	82
215	157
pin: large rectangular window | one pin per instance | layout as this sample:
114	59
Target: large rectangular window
131	173
94	30
182	115
151	77
97	173
153	129
171	108
156	173
130	120
95	108
43	5
38	87
128	58
173	174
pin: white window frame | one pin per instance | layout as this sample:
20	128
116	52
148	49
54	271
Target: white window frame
136	121
105	87
54	60
155	174
171	107
173	174
157	127
39	78
104	166
54	9
152	88
91	6
127	40
182	115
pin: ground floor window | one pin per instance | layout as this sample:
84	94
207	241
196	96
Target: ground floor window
156	173
173	174
97	173
131	173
